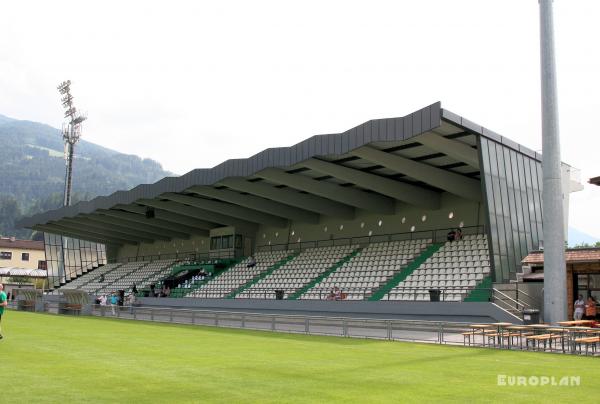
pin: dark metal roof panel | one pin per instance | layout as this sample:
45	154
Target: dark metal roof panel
379	130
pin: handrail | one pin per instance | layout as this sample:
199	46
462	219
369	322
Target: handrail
322	292
506	297
436	235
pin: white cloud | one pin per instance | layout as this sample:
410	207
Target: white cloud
191	84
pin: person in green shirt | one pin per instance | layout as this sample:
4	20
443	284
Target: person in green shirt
3	304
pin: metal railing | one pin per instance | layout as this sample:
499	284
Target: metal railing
324	293
185	255
437	235
494	335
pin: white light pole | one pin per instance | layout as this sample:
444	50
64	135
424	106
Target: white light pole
555	271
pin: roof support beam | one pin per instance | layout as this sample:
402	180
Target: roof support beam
228	209
86	224
451	182
170	217
453	148
55	229
411	194
257	203
291	197
89	224
136	228
348	196
126	217
46	229
101	232
196	213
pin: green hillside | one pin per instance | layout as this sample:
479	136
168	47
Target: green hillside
33	169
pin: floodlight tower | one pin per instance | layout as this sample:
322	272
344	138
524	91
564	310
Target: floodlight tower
555	270
71	131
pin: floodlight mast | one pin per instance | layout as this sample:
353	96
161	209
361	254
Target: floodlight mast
555	269
71	132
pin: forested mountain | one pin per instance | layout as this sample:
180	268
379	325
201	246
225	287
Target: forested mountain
32	171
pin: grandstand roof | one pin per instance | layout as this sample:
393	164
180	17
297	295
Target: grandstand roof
374	167
572	256
21	244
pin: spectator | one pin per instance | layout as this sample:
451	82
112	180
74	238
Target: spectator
338	293
579	308
101	280
458	235
134	289
451	235
331	295
131	302
113	303
251	262
590	308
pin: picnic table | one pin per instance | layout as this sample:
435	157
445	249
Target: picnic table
500	329
576	323
478	329
521	331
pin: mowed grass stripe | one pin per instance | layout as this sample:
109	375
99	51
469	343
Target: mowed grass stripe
49	358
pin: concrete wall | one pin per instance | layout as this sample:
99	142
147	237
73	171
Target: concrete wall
439	311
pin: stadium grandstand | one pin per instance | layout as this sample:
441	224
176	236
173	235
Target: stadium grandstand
393	211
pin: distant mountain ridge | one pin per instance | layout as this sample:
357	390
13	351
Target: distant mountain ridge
33	169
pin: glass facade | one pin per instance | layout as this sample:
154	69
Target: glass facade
67	258
512	183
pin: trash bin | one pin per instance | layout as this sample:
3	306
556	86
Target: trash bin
531	316
434	295
278	294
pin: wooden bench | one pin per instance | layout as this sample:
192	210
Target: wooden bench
545	338
75	308
507	335
469	334
587	341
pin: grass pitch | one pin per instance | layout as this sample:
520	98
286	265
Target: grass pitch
48	358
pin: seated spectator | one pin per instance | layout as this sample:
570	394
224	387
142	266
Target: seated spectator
451	235
331	295
251	262
338	293
458	235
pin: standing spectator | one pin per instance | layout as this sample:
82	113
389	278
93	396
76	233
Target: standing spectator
103	301
251	262
113	303
590	308
458	234
131	302
579	308
3	304
134	289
